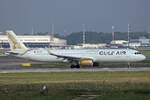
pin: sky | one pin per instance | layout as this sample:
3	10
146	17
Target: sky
69	15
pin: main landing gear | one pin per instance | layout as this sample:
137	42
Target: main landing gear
129	65
75	66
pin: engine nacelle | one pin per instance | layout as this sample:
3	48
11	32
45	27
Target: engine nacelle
86	62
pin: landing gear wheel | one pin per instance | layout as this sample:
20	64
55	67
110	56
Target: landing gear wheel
72	66
129	65
77	66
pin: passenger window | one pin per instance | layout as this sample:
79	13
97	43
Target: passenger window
137	53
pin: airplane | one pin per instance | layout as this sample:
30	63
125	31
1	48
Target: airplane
77	57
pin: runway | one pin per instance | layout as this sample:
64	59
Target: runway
73	70
9	64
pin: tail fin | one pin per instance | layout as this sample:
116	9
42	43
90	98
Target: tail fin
14	42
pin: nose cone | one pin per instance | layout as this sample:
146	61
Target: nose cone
142	57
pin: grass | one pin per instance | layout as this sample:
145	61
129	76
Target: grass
69	85
123	96
1	53
145	63
146	53
63	77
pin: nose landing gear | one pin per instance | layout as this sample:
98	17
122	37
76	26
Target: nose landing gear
129	65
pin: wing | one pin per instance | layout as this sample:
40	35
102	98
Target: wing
69	58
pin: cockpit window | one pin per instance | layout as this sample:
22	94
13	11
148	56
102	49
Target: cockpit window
137	53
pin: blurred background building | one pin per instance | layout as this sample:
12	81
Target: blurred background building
34	41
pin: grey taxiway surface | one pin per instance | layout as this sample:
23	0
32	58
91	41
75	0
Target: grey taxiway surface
73	70
9	64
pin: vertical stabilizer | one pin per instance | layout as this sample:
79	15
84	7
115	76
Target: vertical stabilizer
14	42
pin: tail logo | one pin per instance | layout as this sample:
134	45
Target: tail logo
15	43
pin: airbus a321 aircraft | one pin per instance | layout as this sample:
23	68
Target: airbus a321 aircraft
77	58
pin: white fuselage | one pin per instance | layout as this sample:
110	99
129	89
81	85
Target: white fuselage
98	55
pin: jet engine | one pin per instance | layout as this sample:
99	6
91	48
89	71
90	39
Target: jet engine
86	62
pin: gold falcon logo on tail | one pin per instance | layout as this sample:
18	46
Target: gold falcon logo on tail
15	43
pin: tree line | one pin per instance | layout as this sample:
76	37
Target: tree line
98	37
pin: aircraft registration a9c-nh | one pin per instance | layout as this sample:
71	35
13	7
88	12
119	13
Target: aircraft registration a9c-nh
77	58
